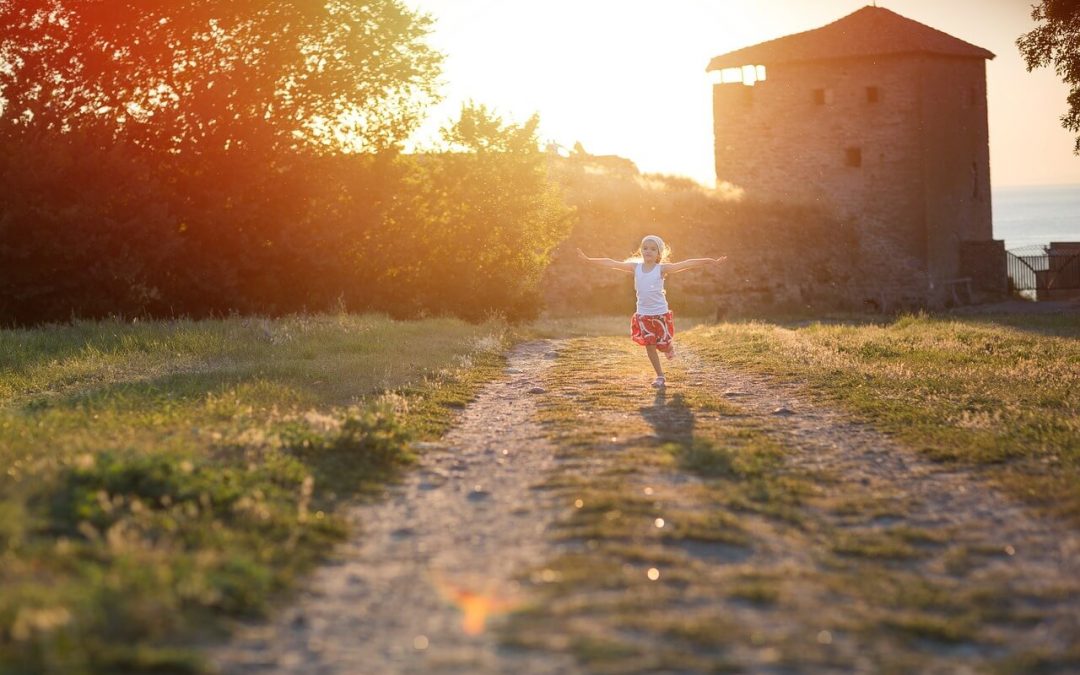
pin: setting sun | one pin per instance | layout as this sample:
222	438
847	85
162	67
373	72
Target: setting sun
605	73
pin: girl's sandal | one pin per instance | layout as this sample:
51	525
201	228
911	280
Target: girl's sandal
659	382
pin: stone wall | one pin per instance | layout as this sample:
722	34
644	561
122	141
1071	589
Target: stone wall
782	258
984	263
1063	273
955	157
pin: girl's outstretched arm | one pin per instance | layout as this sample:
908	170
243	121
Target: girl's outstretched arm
607	262
670	268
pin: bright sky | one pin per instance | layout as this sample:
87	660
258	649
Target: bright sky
627	77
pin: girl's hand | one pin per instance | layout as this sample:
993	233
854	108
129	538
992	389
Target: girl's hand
717	261
581	254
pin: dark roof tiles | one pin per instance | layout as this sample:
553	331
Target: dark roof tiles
871	31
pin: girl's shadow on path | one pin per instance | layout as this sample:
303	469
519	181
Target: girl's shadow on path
672	420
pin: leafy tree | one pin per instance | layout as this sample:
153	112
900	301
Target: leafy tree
198	157
1056	40
476	224
214	74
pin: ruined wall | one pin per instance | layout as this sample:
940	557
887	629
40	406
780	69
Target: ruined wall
781	258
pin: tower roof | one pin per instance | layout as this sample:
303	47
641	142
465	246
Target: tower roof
870	31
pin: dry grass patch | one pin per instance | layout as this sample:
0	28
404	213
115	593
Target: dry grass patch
999	393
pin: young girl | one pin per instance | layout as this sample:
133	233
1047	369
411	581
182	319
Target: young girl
652	324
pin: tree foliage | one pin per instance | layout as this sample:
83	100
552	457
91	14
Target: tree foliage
491	217
197	158
199	74
1056	40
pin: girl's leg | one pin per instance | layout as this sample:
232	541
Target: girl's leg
655	358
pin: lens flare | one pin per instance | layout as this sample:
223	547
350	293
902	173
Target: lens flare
476	607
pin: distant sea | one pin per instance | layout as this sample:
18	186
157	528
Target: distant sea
1036	215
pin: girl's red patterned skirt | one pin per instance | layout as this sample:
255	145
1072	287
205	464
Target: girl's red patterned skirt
653	330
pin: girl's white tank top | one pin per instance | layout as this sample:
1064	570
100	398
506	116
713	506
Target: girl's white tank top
651	298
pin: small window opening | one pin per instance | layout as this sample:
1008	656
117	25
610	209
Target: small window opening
819	96
728	75
872	95
748	75
853	156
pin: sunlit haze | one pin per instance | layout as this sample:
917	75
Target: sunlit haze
627	77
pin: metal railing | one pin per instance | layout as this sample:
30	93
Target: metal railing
1044	268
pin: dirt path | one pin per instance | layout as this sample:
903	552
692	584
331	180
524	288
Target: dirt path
854	554
434	564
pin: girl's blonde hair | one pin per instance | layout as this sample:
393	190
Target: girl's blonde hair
665	251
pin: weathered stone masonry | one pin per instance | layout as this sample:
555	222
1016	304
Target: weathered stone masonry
883	120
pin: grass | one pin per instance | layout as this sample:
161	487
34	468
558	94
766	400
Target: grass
163	477
1001	392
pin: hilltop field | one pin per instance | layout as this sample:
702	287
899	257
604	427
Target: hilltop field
165	479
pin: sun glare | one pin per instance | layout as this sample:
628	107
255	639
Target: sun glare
616	76
627	77
476	607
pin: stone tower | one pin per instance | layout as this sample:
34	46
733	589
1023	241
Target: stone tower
883	120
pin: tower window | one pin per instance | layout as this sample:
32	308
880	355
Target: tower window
819	96
853	156
872	95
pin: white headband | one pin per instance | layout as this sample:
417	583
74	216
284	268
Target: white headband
659	243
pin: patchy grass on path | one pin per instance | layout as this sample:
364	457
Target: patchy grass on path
159	477
1002	393
658	488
